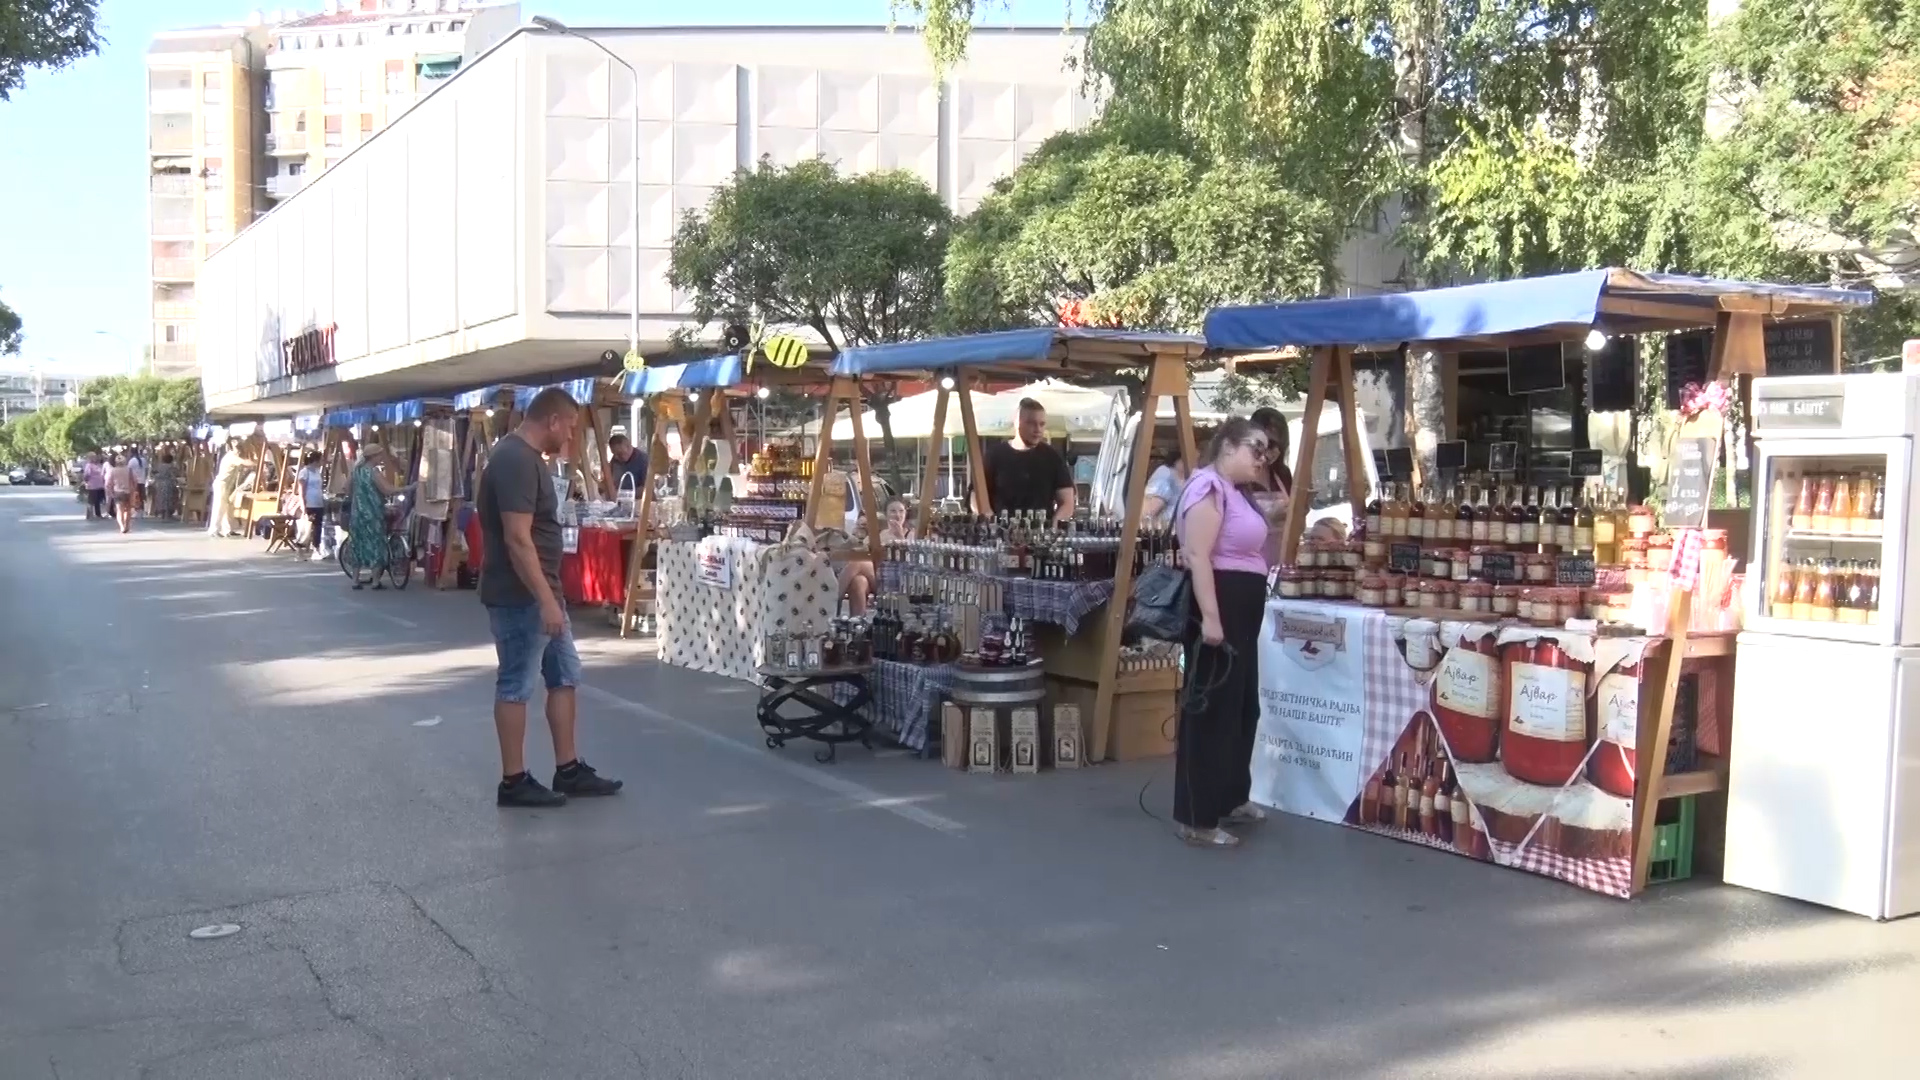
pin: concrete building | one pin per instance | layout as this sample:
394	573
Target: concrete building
31	390
336	77
487	234
203	145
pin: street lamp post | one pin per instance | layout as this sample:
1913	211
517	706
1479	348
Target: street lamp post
555	26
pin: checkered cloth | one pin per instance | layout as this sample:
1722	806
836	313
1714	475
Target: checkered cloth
1685	568
1613	877
904	697
1061	603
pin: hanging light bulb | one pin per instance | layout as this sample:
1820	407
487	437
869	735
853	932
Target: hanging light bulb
489	414
1596	340
763	393
946	382
416	423
376	429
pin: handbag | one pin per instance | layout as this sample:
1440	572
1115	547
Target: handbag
1162	605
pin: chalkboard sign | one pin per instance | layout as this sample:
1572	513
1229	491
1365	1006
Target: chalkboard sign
1584	463
1403	558
1690	483
1503	457
1536	369
1400	462
1450	455
1498	567
1801	347
1573	570
1611	372
1687	358
1382	466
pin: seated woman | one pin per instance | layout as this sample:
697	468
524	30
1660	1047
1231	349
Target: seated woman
860	580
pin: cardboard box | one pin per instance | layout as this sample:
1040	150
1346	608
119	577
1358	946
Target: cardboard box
1067	742
1025	726
983	743
953	735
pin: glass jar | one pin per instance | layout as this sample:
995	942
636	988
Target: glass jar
1462	563
1372	590
1290	583
1374	551
1713	540
1539	568
1640	520
1566	605
1633	553
1353	555
1616	727
1467	701
1446	595
1476	598
1303	555
1323	556
1506	600
1435	564
1659	552
1545	737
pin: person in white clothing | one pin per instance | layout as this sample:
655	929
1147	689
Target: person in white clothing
313	495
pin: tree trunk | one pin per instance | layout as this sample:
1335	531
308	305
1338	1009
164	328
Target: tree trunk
883	415
1426	416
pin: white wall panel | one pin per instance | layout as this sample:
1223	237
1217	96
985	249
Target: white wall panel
269	327
980	162
386	171
488	214
577	78
909	105
656	91
788	97
656	215
704	154
576	214
849	101
432	258
706	93
292	234
1041	111
789	146
576	149
916	154
852	151
317	283
576	279
985	109
348	182
656	296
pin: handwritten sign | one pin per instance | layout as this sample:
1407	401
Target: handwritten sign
1584	463
1801	347
1403	558
1499	567
1573	570
1690	483
1450	455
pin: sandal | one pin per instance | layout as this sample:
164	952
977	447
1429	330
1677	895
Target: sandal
1245	814
1212	838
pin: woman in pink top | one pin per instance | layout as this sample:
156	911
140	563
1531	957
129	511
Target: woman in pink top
1223	538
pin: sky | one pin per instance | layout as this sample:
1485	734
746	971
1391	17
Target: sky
73	199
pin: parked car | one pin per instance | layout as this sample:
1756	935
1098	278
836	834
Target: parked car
34	476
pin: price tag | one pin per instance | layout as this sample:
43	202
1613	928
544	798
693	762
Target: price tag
1574	570
1503	457
1584	463
1498	566
1403	558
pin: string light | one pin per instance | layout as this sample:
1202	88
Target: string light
1596	340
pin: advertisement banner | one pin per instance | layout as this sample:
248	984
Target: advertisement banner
713	564
1307	755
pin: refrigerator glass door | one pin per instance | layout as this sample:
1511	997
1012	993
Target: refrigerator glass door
1830	539
1808	793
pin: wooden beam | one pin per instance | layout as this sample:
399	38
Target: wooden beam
923	519
1350	433
1683	315
863	461
1115	618
976	456
1739	346
657	462
1297	506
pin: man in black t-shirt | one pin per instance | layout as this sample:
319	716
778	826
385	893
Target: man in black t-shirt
520	586
1026	473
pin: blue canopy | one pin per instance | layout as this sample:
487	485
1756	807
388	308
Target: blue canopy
339	418
1037	345
1563	302
711	372
580	390
484	398
308	423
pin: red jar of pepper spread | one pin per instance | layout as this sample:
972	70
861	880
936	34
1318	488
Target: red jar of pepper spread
1467	700
1616	725
1545	736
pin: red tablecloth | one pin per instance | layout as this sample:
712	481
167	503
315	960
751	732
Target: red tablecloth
597	573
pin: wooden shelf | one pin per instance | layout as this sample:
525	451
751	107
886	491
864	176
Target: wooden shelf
1710	776
1708	643
1834	537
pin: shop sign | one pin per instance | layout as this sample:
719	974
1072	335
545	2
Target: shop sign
713	564
1306	758
310	350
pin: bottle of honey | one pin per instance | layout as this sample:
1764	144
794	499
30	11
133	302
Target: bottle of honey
1780	597
1805	580
1802	516
1822	609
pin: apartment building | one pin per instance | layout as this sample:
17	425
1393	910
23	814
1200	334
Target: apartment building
31	390
203	135
336	77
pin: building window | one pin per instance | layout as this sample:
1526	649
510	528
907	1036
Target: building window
300	122
296	168
336	88
215	174
213	87
396	77
366	124
334	132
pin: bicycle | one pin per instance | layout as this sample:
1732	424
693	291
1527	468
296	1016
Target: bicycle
398	563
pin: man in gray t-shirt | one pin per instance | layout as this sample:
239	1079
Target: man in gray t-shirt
520	585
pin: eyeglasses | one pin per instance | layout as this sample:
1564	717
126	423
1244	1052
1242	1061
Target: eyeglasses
1260	448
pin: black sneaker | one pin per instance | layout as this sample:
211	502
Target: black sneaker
527	792
579	780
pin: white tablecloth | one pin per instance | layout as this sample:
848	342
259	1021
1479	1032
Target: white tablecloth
720	630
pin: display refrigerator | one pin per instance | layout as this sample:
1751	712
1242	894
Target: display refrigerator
1823	796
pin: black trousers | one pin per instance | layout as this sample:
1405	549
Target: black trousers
1220	706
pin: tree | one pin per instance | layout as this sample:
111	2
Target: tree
1134	226
855	259
43	34
145	408
72	432
29	437
10	336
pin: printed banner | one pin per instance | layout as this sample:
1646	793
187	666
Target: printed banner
1306	758
713	564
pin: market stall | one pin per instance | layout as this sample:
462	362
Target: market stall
979	589
1520	663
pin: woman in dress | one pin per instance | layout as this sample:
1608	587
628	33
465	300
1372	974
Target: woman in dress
120	488
1223	538
1272	490
367	522
166	487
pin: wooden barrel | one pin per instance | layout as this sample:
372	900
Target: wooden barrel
999	687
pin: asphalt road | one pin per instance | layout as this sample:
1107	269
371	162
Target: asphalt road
191	734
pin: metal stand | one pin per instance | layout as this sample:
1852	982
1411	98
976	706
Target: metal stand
824	719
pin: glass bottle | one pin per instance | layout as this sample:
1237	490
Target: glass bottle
1446	526
1417	525
1780	596
1373	515
1545	518
1805	581
1516	522
1583	526
1861	512
1802	516
1876	519
1564	515
1841	515
1822	520
1870	586
1476	515
1823	594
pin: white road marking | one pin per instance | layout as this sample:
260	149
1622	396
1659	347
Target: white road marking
431	721
820	778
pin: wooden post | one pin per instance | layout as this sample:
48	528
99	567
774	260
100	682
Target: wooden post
665	411
1350	431
976	455
930	478
1166	377
863	459
1298	505
259	477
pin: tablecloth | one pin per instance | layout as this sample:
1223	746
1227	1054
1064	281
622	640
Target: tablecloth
721	628
904	697
1061	603
597	573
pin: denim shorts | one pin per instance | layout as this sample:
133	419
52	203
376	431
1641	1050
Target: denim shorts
525	650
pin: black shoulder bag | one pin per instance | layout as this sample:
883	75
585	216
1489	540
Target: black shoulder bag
1162	604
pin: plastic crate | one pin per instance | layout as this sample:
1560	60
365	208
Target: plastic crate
1673	844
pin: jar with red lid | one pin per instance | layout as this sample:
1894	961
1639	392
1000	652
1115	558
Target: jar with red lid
1290	583
1446	595
1593	603
1544	739
1435	564
1476	598
1324	556
1536	605
1506	600
1461	560
1633	553
1539	568
1336	584
1372	590
1659	552
1467	701
1713	540
1616	726
1640	520
1566	605
1353	554
1373	551
1303	556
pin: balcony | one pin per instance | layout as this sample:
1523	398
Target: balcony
173	311
174	358
287	142
173	269
279	187
170	101
170	142
171	183
171	226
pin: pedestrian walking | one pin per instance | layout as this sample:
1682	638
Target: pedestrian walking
119	491
93	478
367	520
137	466
313	496
520	586
166	487
1223	537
